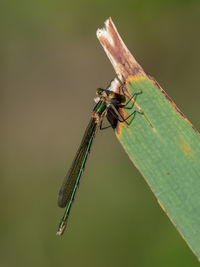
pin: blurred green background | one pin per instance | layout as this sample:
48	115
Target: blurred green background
51	65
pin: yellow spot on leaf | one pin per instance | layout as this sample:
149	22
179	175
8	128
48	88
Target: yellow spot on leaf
186	148
135	78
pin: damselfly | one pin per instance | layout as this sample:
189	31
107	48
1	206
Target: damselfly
107	104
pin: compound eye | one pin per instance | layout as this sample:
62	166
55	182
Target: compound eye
99	91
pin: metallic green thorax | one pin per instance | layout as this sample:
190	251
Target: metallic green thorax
106	99
100	107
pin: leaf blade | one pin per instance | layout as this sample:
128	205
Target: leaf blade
167	155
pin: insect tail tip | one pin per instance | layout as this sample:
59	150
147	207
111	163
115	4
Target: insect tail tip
61	230
59	233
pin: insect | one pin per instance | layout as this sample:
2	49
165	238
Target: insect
107	104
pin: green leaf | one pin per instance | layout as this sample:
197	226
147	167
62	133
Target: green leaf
160	141
165	148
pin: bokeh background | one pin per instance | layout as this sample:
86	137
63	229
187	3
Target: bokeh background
51	64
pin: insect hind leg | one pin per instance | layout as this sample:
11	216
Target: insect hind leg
131	117
133	97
